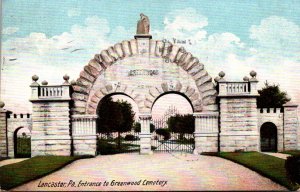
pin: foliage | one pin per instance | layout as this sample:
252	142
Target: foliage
268	166
16	174
271	96
115	117
181	123
137	127
110	116
292	166
23	147
164	132
130	137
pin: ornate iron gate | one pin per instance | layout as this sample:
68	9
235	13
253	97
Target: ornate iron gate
111	143
173	142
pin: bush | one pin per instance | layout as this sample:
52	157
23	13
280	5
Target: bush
164	132
137	127
292	166
130	138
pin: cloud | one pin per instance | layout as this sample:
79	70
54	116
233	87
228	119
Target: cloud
74	12
277	35
273	53
10	30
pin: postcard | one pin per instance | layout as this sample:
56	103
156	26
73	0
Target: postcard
149	95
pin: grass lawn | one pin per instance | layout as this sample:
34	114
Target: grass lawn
19	173
266	165
292	152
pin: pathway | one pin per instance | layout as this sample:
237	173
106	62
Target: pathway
161	171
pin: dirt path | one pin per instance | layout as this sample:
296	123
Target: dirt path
166	171
11	161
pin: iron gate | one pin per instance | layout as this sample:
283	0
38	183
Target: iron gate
173	142
113	143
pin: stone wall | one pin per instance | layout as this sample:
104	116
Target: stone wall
291	127
273	115
50	128
238	127
14	123
3	133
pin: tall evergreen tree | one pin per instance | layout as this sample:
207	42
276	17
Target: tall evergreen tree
271	97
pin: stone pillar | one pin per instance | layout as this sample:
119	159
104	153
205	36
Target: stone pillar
206	132
290	127
145	135
238	115
84	134
50	119
3	131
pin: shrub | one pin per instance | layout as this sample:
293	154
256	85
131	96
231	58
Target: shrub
164	132
130	138
292	166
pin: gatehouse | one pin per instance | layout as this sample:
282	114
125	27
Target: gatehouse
63	119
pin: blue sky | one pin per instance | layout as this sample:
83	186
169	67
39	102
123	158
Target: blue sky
51	17
39	37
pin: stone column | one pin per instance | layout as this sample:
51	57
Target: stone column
206	132
145	135
238	115
3	131
84	134
50	119
290	127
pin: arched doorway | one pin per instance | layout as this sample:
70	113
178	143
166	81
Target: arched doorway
174	123
268	137
22	143
115	126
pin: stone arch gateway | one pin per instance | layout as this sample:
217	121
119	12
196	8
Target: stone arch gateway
151	60
143	69
63	119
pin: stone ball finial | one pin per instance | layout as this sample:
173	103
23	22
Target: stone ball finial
73	82
217	79
246	78
35	78
253	74
2	104
66	77
44	82
222	74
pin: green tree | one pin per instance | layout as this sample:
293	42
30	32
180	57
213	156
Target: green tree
137	127
271	96
181	124
110	116
115	117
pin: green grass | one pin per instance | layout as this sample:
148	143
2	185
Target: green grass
19	173
266	165
292	152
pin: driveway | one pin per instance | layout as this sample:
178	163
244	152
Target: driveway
160	171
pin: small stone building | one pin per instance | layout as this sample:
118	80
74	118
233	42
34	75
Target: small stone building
63	119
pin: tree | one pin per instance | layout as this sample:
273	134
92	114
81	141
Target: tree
115	117
137	127
271	97
110	116
181	124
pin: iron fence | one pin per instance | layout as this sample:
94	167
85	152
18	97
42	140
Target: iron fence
112	143
173	142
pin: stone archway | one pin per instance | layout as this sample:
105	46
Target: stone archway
142	48
268	137
21	143
143	69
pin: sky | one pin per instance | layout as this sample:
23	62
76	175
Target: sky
52	38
